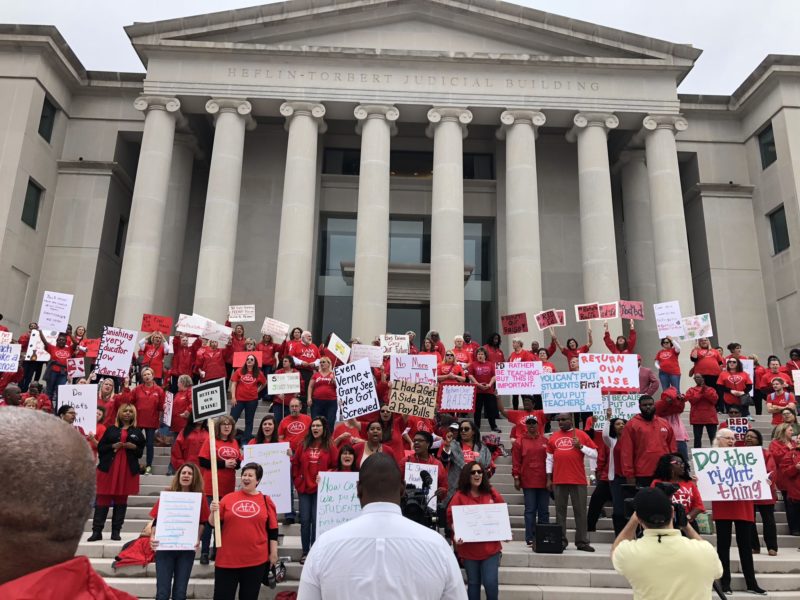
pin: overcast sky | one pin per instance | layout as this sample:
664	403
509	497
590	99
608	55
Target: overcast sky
735	35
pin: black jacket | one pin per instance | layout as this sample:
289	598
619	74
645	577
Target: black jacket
105	452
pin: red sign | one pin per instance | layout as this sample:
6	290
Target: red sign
546	319
608	311
92	347
561	315
517	323
240	357
160	323
587	312
631	309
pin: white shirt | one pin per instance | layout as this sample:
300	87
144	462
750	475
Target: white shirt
381	554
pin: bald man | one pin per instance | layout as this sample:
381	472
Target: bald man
47	496
380	553
12	395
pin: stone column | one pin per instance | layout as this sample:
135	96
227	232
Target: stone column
371	279
212	292
448	128
598	245
293	284
523	253
138	279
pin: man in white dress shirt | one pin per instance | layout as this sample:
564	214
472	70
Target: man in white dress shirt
380	553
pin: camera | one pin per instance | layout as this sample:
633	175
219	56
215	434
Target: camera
414	504
679	519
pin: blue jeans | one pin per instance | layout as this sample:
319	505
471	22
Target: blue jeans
280	411
205	540
249	407
308	521
683	450
537	503
618	503
54	379
327	409
173	568
150	438
483	572
668	380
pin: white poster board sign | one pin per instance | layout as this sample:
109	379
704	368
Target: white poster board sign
169	402
748	366
278	330
412	476
283	383
6	337
191	324
617	372
276	482
338	348
394	344
373	354
242	313
623	406
117	348
416	368
9	358
518	377
573	391
482	523
217	333
83	398
55	310
37	352
178	520
697	326
337	501
668	319
75	368
355	390
736	473
457	398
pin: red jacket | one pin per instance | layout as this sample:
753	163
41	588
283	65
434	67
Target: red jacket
187	448
612	347
308	462
790	475
529	456
703	403
212	363
9	378
777	450
183	357
181	403
665	408
475	550
149	402
42	401
153	357
643	443
602	459
235	345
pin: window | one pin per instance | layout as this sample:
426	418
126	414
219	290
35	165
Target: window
122	230
405	163
30	210
766	145
780	232
47	120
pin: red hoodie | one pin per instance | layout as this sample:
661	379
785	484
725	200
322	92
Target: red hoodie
187	448
703	402
308	462
183	357
643	443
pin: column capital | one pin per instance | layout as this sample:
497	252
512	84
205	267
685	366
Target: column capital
583	120
385	112
166	103
217	106
315	110
441	114
675	123
520	116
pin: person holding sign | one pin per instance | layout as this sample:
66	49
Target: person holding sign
322	392
703	412
246	385
449	372
766	508
305	356
529	454
269	359
374	444
481	559
281	403
481	374
148	398
423	440
572	350
347	460
211	362
622	345
237	343
250	523
735	384
519	354
152	350
184	356
56	373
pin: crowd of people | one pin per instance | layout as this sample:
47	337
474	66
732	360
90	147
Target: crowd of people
549	457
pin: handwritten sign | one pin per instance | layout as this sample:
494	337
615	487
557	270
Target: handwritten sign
546	319
337	501
739	426
283	383
631	309
83	398
178	520
275	483
413	399
412	476
608	311
75	368
338	348
623	406
117	348
92	347
516	323
217	333
242	313
457	398
37	351
54	314
156	323
697	326
209	400
668	319
482	523
355	390
278	330
9	358
374	354
416	368
394	344
6	337
518	377
587	312
169	402
191	324
573	391
737	473
796	381
561	315
239	358
617	372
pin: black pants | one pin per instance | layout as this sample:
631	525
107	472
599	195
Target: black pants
767	512
758	397
744	533
792	514
711	381
600	496
487	403
698	433
247	579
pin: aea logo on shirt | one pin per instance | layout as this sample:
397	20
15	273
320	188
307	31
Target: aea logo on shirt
735	379
245	509
564	443
226	452
313	454
296	427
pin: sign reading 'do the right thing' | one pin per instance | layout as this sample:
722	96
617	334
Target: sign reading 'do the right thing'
731	474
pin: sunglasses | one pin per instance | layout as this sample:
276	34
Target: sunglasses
476	472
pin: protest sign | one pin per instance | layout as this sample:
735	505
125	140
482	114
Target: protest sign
617	372
394	344
608	311
516	323
457	397
178	517
338	348
160	323
337	501
37	351
117	349
546	319
373	354
54	314
736	473
739	426
561	315
573	391
587	312
209	400
169	402
75	368
283	383
83	398
412	476
623	406
217	333
481	523
6	337
278	330
242	313
631	309
413	399
668	319
275	483
92	347
697	326
796	381
239	358
518	377
9	358
749	366
355	389
191	324
417	368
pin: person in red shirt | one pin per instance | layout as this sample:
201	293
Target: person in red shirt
702	400
267	432
766	508
189	443
347	432
322	392
250	528
543	357
572	350
347	460
294	339
493	351
374	444
270	351
93	439
673	468
211	362
181	405
246	384
449	372
528	469
462	354
428	347
281	402
414	424
148	399
566	477
316	453
734	412
423	440
517	419
779	399
481	374
56	373
789	470
294	427
762	380
481	559
393	429
735	383
518	354
42	401
469	344
646	438
622	345
306	357
184	356
152	350
793	364
669	370
438	346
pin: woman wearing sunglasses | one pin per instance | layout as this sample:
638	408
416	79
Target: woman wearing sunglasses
465	448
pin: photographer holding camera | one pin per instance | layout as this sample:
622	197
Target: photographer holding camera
663	564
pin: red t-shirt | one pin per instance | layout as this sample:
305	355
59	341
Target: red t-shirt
483	373
304	353
268	352
521	356
765	381
247	384
734	510
341	429
493	354
324	386
709	361
294	429
226	478
528	456
517	417
58	356
687	495
475	550
548	367
463	356
149	401
153	357
568	463
785	399
733	382
245	521
668	361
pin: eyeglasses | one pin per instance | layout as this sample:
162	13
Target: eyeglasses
476	472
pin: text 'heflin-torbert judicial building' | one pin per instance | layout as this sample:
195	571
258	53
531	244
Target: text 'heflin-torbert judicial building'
384	165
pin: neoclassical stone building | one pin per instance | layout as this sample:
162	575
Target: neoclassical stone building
377	165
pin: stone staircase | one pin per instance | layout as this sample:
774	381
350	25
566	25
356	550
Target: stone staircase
524	575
